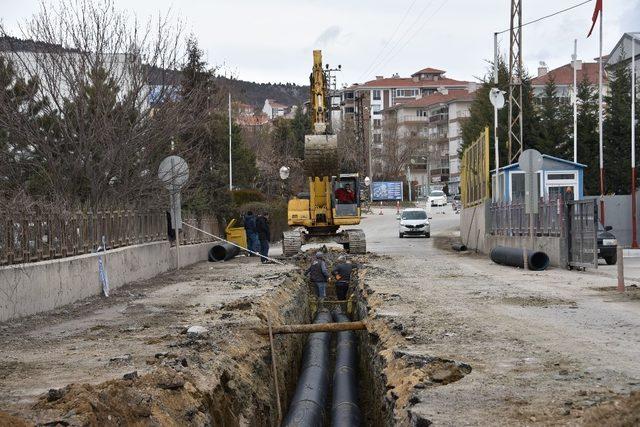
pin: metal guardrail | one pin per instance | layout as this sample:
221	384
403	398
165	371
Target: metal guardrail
51	236
510	219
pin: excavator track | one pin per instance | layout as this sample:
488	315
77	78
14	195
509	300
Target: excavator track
357	242
291	243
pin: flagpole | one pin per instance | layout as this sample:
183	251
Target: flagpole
575	101
634	224
600	126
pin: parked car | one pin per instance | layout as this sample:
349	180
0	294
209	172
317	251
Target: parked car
607	245
414	222
437	198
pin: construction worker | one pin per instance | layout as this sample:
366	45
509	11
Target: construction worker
252	234
345	195
342	272
264	234
319	275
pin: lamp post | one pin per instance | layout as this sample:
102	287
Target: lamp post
284	174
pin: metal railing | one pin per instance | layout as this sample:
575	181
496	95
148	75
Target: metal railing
510	219
42	237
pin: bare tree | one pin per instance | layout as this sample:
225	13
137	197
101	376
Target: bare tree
108	104
399	144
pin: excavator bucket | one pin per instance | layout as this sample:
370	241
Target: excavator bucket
321	155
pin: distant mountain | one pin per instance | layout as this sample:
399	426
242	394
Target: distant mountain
255	93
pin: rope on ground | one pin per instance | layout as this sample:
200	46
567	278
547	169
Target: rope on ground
233	244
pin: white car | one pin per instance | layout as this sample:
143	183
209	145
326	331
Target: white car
437	198
414	222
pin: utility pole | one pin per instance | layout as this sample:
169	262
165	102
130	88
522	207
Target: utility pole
515	82
230	157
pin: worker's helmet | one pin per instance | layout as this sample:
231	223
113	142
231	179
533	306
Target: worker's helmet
342	258
319	255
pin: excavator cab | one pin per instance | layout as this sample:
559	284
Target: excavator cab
346	196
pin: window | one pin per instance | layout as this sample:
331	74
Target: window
376	123
348	95
556	176
377	138
376	95
406	93
348	109
375	109
421	113
518	185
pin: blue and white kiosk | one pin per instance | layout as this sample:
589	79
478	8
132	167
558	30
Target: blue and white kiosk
553	179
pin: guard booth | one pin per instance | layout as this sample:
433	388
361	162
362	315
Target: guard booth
553	180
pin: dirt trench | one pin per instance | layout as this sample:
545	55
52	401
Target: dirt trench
224	377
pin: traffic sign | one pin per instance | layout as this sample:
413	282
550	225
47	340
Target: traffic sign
530	161
173	172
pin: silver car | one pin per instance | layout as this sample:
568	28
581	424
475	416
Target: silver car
414	222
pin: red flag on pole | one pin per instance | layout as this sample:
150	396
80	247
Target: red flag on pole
594	18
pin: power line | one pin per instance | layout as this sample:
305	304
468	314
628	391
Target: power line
397	42
548	16
406	13
417	31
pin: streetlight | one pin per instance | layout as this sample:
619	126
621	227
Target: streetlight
284	174
496	96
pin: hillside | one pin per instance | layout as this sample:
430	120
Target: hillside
255	93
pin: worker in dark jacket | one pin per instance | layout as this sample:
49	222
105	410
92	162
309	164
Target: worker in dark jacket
342	272
319	275
253	242
264	234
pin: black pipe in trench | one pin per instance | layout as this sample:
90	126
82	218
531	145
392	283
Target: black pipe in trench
309	399
345	410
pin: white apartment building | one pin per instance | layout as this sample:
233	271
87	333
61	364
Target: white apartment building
435	120
563	79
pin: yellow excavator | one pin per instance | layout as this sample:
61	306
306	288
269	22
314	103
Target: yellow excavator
333	199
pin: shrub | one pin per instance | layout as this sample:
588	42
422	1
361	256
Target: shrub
243	197
277	210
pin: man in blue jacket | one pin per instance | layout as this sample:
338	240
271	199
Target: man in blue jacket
319	274
252	234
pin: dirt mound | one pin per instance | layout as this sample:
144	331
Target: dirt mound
624	411
164	396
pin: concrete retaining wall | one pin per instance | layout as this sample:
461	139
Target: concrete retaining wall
554	247
40	286
474	224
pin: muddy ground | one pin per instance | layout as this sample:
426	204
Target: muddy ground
452	340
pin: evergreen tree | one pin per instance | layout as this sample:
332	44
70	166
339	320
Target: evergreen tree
554	130
481	115
588	136
617	131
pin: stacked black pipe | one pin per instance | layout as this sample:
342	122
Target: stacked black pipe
345	410
310	397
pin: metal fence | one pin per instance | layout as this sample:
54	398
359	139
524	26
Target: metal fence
510	219
55	235
474	172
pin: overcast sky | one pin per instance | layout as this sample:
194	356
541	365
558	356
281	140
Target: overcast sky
271	41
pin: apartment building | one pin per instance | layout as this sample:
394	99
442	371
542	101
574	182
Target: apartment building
563	79
273	109
431	128
377	95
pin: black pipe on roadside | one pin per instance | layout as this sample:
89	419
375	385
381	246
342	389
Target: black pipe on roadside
310	397
223	252
513	257
345	410
459	247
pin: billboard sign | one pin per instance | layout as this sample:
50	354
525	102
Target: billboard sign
387	190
